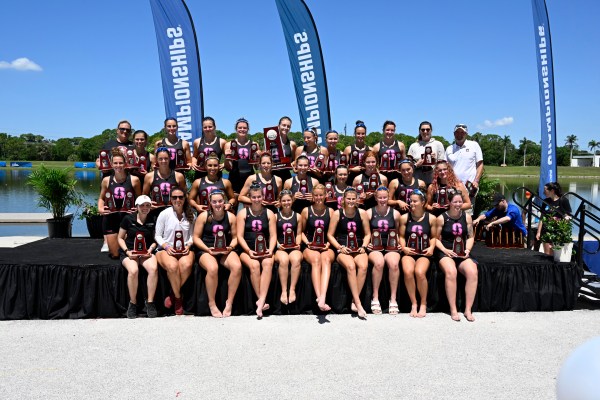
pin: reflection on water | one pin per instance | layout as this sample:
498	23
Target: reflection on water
16	196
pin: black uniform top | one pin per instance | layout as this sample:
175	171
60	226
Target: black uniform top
301	204
132	226
283	223
453	228
254	225
315	221
212	226
173	148
346	225
383	223
164	186
120	190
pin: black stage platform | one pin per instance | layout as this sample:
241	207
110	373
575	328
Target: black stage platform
70	278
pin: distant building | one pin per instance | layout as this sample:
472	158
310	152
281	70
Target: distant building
591	160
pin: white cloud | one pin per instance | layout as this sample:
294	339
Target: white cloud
499	122
20	64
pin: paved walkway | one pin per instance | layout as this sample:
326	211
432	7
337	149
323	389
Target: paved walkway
500	356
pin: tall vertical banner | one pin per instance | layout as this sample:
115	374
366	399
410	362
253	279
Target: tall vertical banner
543	47
179	66
306	61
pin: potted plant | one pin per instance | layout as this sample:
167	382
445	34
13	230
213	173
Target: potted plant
93	220
57	192
558	231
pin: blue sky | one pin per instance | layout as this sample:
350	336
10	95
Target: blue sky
447	62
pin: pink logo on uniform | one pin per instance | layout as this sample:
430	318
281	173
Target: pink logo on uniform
257	225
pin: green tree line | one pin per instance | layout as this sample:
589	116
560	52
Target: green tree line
497	150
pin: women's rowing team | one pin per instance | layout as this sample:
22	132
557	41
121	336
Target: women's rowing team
385	218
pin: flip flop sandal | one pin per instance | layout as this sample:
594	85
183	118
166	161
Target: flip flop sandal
375	307
393	309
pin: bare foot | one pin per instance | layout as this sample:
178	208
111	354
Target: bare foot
214	311
266	307
284	298
353	307
469	317
322	305
362	314
260	306
413	311
227	310
292	296
422	311
455	316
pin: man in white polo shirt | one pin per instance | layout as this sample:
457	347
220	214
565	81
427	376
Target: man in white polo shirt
466	158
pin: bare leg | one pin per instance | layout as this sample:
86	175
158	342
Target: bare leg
132	278
392	260
295	261
282	258
171	265
449	267
376	258
209	263
347	261
233	264
151	267
327	258
113	245
408	268
421	276
469	269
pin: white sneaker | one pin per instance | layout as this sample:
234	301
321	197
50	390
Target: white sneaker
104	248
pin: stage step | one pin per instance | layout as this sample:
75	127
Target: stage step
24	218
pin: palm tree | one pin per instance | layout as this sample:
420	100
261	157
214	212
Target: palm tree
523	143
505	142
571	142
592	144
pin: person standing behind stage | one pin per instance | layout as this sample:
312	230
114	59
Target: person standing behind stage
401	188
417	152
356	151
123	143
331	138
394	149
312	150
266	180
202	187
289	148
172	142
118	185
207	144
465	157
140	139
556	206
302	193
158	183
240	168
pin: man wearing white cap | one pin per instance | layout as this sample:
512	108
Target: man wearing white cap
465	157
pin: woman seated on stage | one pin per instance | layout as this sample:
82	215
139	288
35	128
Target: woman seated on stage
349	234
316	249
418	232
366	181
270	184
393	148
174	253
289	149
333	155
444	184
158	183
117	186
301	185
383	220
288	254
203	186
355	152
207	144
257	236
340	183
215	236
401	188
454	245
312	150
140	140
136	250
174	144
239	168
554	205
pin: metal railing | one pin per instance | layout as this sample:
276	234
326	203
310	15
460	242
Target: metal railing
581	218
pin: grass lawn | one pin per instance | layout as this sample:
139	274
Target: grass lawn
53	164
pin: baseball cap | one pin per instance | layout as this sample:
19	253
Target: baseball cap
498	197
142	200
461	126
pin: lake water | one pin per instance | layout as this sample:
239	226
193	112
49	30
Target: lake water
16	196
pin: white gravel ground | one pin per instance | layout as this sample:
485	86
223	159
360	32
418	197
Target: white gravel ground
500	356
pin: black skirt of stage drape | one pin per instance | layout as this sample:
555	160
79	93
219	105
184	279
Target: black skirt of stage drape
69	278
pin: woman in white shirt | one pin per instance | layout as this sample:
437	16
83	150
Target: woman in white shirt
174	253
425	152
